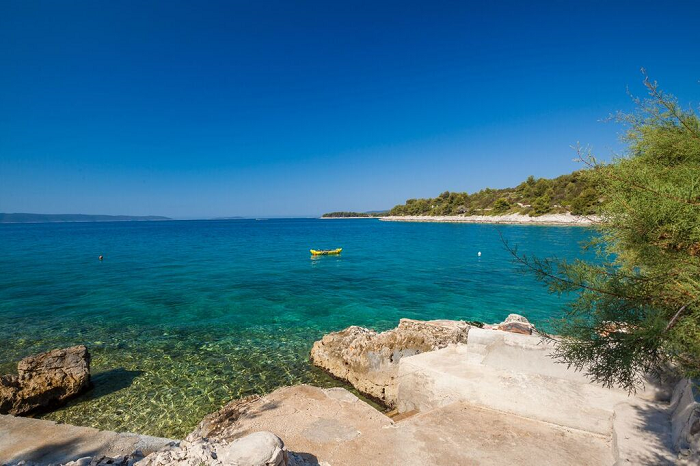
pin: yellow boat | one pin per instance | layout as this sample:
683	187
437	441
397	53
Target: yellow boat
325	252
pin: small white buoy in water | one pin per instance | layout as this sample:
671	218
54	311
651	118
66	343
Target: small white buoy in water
478	253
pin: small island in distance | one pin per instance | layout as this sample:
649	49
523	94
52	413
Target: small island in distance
71	218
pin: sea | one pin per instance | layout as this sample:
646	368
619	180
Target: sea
183	316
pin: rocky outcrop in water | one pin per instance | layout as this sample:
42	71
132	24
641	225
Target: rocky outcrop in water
45	380
369	360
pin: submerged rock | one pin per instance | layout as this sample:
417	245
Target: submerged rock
369	360
45	380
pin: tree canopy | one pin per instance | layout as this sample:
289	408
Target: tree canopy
638	307
573	193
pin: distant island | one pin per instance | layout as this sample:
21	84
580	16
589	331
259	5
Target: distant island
66	218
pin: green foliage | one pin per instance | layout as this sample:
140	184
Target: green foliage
353	214
638	307
543	203
533	197
586	202
501	205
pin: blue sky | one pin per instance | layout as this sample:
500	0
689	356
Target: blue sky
204	109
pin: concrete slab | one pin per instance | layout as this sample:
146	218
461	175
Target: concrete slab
532	354
642	434
435	379
468	435
45	442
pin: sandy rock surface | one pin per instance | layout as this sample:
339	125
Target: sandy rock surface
369	360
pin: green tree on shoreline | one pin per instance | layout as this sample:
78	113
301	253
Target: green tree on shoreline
638	309
573	193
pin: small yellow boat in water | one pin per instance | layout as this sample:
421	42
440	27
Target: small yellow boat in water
325	252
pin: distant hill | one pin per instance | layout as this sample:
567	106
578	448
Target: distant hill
63	218
574	193
373	213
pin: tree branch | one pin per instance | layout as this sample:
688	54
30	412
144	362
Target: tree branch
677	315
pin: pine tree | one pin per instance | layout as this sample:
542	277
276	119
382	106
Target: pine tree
637	308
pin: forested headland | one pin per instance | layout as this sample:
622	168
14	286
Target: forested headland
574	193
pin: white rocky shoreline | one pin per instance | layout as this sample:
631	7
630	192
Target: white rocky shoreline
459	393
510	219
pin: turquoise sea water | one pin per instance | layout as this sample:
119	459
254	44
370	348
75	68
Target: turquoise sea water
182	316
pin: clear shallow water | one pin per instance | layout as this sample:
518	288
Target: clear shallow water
182	317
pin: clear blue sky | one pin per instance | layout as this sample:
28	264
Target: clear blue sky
201	109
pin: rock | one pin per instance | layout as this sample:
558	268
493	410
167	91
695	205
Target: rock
256	449
515	318
516	327
45	380
369	360
515	323
216	423
315	420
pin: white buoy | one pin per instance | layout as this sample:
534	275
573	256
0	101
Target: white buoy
478	253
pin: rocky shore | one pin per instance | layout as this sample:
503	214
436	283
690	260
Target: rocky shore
510	219
461	393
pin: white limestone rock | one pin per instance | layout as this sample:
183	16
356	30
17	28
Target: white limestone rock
369	360
256	449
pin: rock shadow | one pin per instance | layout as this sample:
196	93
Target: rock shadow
113	380
55	453
307	459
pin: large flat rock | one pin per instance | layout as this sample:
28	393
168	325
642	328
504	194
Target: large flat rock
332	426
326	423
45	442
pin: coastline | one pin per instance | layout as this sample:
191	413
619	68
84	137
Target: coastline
511	219
412	369
343	218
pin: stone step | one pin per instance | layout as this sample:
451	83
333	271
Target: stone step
431	380
532	354
45	442
641	434
464	434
